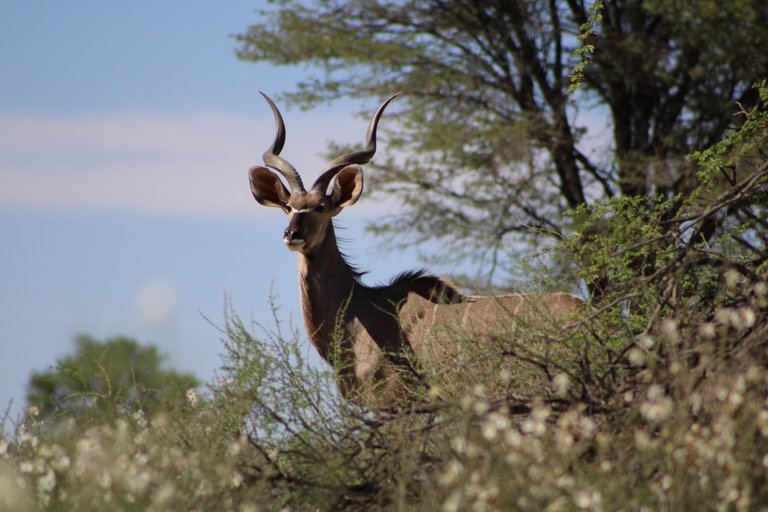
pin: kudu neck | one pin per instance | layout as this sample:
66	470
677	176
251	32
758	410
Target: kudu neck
327	284
327	260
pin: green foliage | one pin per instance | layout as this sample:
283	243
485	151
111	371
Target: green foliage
723	164
516	112
653	400
678	420
102	380
586	49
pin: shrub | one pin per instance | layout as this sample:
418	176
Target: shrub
655	399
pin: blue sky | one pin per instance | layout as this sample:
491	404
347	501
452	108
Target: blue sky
126	130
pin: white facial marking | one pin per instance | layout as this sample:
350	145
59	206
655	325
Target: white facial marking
294	245
303	210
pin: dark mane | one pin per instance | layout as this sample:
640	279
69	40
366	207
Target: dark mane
432	288
340	241
356	272
421	282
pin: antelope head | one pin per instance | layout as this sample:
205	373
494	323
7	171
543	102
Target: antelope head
310	211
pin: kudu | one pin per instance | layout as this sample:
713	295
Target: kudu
374	337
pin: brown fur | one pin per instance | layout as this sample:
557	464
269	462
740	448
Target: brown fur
377	338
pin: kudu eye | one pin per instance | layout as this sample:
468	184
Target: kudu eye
320	208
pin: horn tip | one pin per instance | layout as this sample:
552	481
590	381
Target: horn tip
269	100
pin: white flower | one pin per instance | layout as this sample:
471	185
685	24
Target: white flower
535	424
670	331
47	482
707	330
636	357
458	444
588	500
192	397
480	407
747	317
587	426
222	381
237	446
452	472
658	407
642	440
453	502
495	423
61	462
646	342
140	419
561	383
164	493
434	392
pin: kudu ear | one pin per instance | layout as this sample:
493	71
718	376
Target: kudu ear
267	188
347	187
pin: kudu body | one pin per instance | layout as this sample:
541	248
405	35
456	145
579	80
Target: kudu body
375	337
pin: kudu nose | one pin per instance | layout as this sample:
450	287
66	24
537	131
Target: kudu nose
291	234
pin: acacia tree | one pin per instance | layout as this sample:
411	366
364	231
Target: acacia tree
496	148
104	379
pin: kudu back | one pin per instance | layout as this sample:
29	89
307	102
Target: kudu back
378	339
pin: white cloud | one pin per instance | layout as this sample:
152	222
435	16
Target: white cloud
155	303
157	163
